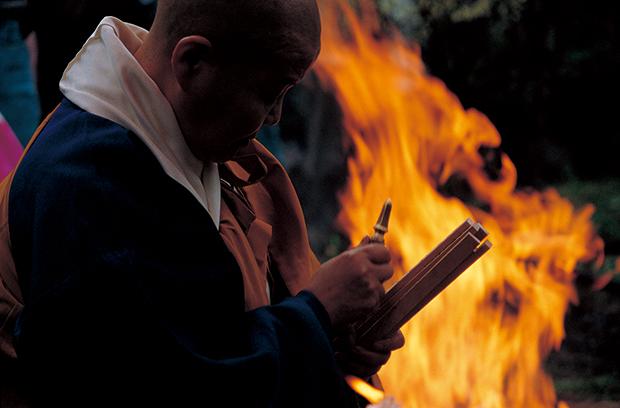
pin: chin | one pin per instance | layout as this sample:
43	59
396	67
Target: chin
221	154
225	155
241	144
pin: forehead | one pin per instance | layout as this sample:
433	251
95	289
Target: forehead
296	49
295	63
289	59
293	33
285	39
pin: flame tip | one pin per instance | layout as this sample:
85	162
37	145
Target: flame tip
372	394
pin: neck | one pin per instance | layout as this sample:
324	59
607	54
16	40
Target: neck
149	56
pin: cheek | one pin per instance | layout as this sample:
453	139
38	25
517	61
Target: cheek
229	115
247	118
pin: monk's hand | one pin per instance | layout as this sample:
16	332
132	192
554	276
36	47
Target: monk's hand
364	361
351	284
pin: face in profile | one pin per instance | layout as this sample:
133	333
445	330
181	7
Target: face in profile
236	101
240	102
230	99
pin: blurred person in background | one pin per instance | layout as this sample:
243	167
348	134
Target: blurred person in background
18	98
10	393
10	148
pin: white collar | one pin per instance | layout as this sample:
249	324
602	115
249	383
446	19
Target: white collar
105	79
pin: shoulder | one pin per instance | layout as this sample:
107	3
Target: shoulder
74	136
86	168
79	149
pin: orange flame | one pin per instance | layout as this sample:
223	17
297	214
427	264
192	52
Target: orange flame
372	394
482	341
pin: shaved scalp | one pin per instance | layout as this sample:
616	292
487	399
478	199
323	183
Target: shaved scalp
243	29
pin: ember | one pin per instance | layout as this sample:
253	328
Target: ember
482	342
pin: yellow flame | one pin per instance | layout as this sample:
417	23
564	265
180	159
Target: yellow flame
481	342
372	395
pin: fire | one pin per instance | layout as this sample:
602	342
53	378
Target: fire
482	342
372	395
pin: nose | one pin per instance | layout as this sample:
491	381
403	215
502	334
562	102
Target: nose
275	114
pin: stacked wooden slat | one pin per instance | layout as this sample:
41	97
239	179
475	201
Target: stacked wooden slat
464	246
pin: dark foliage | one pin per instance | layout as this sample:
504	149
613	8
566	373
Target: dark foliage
546	76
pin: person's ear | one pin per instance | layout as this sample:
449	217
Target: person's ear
191	58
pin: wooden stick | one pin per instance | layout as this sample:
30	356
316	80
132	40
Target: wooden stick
425	281
423	284
406	304
411	278
420	269
425	263
484	248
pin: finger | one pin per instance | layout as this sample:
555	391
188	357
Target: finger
370	358
365	241
383	272
344	342
361	364
394	342
359	370
377	253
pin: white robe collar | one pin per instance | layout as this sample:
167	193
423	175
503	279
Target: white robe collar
106	80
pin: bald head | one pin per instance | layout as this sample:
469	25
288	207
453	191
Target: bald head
244	30
226	65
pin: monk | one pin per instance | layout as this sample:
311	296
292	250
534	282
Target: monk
161	251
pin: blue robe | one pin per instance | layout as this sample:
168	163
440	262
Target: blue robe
131	296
